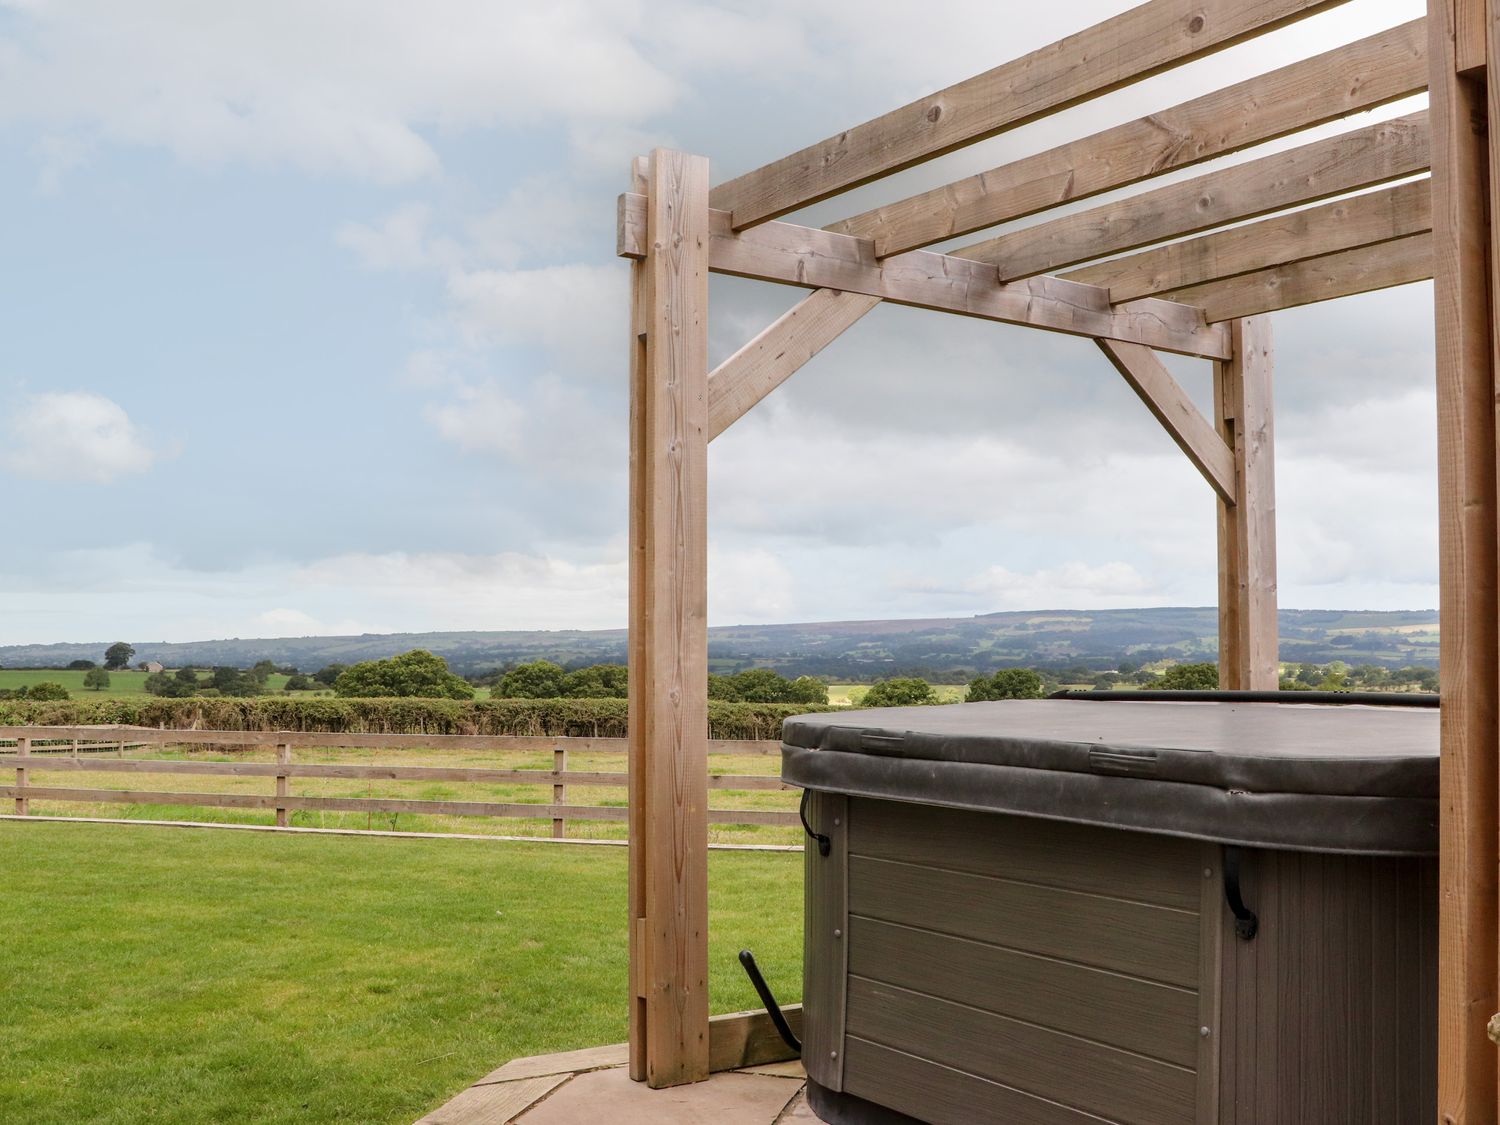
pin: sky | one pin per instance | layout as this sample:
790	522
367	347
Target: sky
310	322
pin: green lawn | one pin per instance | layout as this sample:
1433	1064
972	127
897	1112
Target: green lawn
181	975
755	799
129	684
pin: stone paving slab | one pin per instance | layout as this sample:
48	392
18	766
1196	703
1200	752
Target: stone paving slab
728	1098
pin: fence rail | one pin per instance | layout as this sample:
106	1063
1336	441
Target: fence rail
26	757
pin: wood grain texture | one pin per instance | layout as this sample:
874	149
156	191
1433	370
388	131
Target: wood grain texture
1345	224
638	626
1155	1020
740	1039
1470	647
825	940
942	1095
1145	40
1247	528
1170	405
817	259
1322	1014
776	354
1134	866
496	1103
1354	77
1210	982
1152	942
1361	158
670	836
1116	1085
1364	269
283	783
23	751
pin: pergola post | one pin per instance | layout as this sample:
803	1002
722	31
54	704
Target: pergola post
1247	527
668	646
1462	180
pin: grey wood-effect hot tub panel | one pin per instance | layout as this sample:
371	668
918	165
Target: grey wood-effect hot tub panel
1009	970
1329	1014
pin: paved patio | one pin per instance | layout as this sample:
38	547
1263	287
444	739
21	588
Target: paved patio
592	1085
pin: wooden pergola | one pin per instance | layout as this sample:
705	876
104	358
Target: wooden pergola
1192	268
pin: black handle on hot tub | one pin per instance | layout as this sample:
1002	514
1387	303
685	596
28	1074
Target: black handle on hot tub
825	845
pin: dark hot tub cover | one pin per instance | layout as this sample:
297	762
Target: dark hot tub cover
1357	780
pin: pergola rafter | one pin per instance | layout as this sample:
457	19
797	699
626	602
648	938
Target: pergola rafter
1187	268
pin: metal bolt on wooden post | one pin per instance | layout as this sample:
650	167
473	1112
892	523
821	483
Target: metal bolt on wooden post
283	785
559	791
23	750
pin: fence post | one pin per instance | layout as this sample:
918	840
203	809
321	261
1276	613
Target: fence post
283	788
23	749
75	749
559	792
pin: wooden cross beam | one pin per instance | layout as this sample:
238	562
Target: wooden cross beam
1355	77
1362	158
767	361
1324	278
817	259
1345	224
1136	44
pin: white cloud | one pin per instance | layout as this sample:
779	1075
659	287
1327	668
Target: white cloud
74	435
399	241
325	85
575	311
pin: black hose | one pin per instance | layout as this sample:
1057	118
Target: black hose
773	1009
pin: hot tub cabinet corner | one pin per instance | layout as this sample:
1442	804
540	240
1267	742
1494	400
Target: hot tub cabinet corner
971	967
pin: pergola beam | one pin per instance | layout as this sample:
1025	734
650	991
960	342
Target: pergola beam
1464	178
1163	395
1136	44
817	259
1361	270
1355	77
1345	224
763	364
1362	158
1247	527
668	645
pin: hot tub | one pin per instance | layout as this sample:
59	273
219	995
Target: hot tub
1068	911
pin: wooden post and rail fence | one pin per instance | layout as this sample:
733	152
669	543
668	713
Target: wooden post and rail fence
66	749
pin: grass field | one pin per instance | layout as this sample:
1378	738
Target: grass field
184	976
762	764
129	684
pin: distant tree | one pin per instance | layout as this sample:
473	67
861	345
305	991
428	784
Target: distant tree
597	681
117	656
186	676
169	686
1007	683
899	691
1187	677
329	674
233	681
414	673
298	682
96	679
47	691
1127	667
262	671
81	665
539	679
